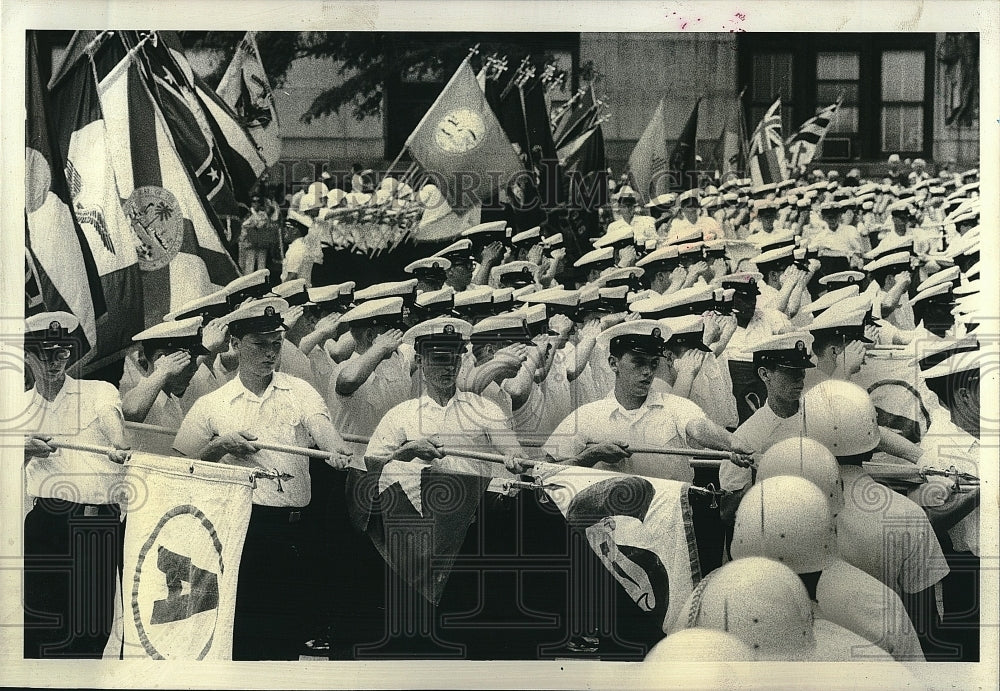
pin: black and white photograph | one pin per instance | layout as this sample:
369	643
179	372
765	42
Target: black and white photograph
500	345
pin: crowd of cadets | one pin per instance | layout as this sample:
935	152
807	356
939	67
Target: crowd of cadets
743	319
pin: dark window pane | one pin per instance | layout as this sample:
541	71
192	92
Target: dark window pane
902	128
837	66
772	76
828	92
903	75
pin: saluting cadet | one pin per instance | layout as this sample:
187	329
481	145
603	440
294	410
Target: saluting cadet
300	321
170	353
69	610
377	376
691	218
896	543
663	272
329	341
599	434
260	403
462	260
891	275
431	273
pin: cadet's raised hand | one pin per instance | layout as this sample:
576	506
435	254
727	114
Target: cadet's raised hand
387	343
854	357
215	337
171	365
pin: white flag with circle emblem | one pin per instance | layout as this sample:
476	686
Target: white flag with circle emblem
183	542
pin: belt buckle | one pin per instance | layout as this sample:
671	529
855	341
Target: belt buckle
90	511
294	516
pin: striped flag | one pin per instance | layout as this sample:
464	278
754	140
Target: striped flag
170	79
767	149
648	162
79	127
67	277
245	88
803	144
179	248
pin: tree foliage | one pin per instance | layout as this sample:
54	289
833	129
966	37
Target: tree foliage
363	62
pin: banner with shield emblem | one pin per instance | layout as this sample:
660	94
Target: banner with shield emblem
183	540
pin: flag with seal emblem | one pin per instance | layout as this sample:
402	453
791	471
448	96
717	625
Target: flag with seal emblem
187	521
179	248
460	140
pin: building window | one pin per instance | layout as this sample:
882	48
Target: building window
772	77
903	100
838	75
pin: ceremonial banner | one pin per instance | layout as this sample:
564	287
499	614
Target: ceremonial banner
803	144
181	252
417	516
183	541
460	139
648	162
640	528
245	88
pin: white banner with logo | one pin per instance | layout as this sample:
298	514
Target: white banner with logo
185	525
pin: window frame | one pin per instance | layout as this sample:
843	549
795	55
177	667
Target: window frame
805	49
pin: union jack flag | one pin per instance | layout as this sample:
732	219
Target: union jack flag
767	149
803	144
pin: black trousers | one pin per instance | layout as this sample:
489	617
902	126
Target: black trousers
276	582
72	562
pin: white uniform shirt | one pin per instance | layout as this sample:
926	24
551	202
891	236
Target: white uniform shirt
76	476
278	415
660	422
887	535
467	421
848	596
359	413
759	432
299	259
764	323
294	362
945	444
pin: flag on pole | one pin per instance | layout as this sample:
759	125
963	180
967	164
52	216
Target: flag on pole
180	249
767	149
79	123
66	272
460	139
682	160
803	144
576	119
187	521
417	516
245	89
640	528
730	149
648	162
170	80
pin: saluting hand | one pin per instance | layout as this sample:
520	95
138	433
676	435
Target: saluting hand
387	343
172	365
328	324
215	337
292	315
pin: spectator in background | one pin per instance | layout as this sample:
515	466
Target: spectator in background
258	235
